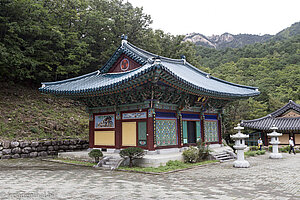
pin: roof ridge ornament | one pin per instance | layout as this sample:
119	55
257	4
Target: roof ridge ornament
183	58
157	60
124	39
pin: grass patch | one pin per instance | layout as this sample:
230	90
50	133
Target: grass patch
254	153
170	166
90	164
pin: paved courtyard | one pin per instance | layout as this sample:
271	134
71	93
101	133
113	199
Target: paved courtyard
266	179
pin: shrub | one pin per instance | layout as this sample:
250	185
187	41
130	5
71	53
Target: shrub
250	153
284	149
190	155
132	153
203	150
96	153
260	152
254	148
270	148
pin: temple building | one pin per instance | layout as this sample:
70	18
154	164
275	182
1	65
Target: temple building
286	119
141	99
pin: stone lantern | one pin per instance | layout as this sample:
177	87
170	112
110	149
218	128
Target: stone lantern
239	139
274	141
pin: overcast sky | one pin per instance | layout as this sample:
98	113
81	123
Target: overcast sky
219	16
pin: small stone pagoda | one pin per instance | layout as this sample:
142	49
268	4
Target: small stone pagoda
141	99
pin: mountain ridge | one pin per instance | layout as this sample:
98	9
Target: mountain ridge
226	39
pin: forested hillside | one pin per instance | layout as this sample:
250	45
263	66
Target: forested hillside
46	40
274	67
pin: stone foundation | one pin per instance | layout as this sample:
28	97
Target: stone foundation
32	149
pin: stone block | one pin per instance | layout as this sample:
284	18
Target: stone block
85	146
16	150
15	155
42	148
6	144
42	154
1	148
27	150
34	144
24	144
6	151
47	143
73	142
60	142
54	143
64	147
66	142
72	147
24	155
14	144
33	154
50	148
6	157
78	146
55	147
33	149
52	153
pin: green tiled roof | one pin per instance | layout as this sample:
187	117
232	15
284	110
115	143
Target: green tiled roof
175	71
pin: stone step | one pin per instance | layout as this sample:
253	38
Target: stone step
111	162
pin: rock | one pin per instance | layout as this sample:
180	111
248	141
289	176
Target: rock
78	146
15	155
6	151
42	148
54	143
50	148
42	154
33	154
66	142
85	146
14	144
55	148
60	151
23	155
1	148
60	142
52	153
1	154
16	150
73	142
47	143
24	144
6	144
72	147
33	149
26	150
6	157
64	147
34	144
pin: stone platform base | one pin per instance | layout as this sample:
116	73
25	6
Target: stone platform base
275	155
241	164
151	159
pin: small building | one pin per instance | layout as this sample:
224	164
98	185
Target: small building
287	119
141	99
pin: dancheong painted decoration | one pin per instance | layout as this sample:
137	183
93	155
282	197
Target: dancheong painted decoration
141	99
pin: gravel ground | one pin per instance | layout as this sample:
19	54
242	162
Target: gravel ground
265	179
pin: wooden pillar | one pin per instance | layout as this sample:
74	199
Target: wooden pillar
150	130
202	127
220	128
91	131
179	129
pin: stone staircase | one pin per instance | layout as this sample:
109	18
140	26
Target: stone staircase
109	163
224	156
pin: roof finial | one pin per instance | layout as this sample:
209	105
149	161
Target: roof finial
124	39
183	59
157	60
